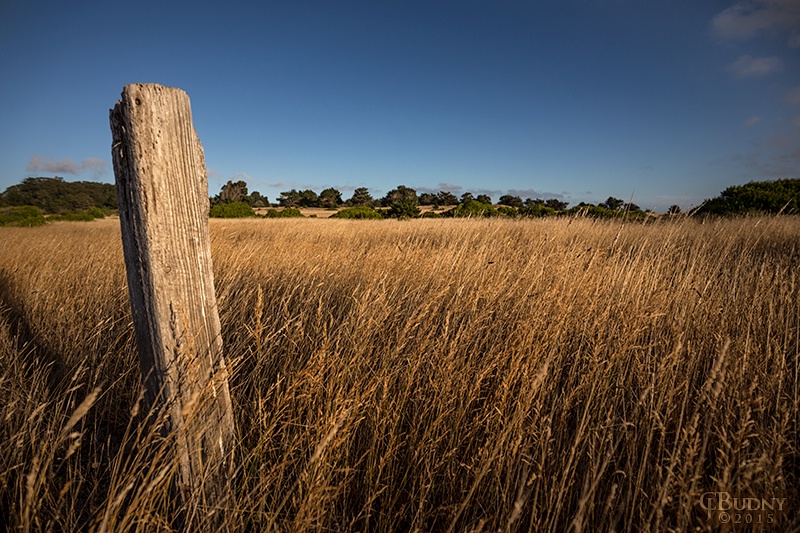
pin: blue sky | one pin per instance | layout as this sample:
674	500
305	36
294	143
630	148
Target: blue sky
668	102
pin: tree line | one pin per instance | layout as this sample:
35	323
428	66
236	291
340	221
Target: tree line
56	196
84	200
404	202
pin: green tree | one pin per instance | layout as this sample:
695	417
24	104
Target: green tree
466	197
484	199
427	198
446	198
511	201
54	195
308	198
555	204
233	192
330	198
256	200
674	209
779	196
613	204
289	198
361	196
402	202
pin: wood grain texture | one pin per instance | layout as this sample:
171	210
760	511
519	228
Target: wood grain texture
162	191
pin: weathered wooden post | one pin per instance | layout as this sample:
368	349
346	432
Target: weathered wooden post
162	190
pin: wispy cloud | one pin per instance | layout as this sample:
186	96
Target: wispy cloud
777	156
446	187
533	193
755	67
793	96
752	121
747	18
38	163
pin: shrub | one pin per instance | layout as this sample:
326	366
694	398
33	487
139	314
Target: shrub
232	210
287	212
505	211
536	211
595	211
473	209
358	212
23	215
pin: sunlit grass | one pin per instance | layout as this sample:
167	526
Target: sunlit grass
420	375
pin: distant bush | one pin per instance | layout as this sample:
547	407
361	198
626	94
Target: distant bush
287	212
86	215
595	211
505	211
430	214
536	211
23	215
232	210
472	208
69	216
358	212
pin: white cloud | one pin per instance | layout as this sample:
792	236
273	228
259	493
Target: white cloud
747	18
752	67
38	163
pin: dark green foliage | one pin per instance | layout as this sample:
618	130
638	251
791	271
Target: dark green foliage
69	216
536	211
54	195
295	198
597	211
484	199
756	197
402	202
232	210
674	210
361	196
505	211
256	200
287	212
555	204
21	215
330	198
613	203
472	208
427	198
430	214
233	192
511	201
289	198
446	198
358	212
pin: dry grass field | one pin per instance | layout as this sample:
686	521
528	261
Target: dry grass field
425	375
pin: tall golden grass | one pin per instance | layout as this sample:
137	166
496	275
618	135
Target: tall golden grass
426	375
